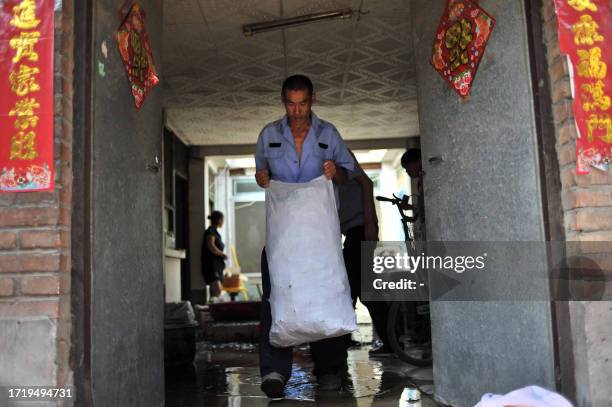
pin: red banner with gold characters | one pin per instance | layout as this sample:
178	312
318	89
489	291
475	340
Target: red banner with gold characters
26	86
585	36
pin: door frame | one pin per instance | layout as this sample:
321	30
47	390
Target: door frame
82	204
550	181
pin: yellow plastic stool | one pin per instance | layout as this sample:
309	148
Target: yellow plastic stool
233	283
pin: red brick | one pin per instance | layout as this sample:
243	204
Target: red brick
594	245
40	285
65	283
66	197
594	198
599	236
563	111
65	214
23	308
8	240
561	90
549	30
18	199
553	51
29	263
548	9
45	239
567	153
65	264
591	197
595	177
567	132
28	216
591	219
568	176
7	287
558	70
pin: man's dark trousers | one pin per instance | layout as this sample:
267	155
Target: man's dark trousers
328	355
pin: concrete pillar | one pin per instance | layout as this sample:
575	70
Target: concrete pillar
485	189
197	225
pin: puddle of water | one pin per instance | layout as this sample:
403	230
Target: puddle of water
228	375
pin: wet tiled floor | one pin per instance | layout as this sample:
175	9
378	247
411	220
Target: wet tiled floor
228	375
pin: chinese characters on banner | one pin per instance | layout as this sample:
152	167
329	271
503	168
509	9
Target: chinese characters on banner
136	54
460	42
26	86
585	35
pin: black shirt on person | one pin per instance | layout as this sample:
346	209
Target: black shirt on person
212	265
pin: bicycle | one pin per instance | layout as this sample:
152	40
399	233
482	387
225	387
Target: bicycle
408	322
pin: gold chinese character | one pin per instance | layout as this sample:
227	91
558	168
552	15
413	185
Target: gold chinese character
586	31
601	124
23	81
23	146
24	110
581	5
24	15
22	123
24	107
24	44
591	65
140	61
595	96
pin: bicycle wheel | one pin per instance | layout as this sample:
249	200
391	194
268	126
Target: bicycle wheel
409	332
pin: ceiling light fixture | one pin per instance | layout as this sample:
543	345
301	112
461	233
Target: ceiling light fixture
252	29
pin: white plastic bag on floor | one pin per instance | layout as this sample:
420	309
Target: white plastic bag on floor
531	396
310	295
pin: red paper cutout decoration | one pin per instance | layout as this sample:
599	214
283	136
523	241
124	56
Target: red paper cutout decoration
136	54
460	42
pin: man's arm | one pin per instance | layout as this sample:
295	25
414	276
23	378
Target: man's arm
262	175
369	210
342	160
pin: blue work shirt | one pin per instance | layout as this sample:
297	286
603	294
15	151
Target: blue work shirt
277	152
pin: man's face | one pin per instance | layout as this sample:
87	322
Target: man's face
298	104
413	169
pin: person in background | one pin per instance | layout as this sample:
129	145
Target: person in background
411	162
358	222
213	258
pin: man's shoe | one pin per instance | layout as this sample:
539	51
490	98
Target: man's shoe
381	352
273	385
329	382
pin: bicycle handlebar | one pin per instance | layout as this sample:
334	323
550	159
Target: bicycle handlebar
385	199
399	202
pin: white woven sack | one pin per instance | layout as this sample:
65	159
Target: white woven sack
310	295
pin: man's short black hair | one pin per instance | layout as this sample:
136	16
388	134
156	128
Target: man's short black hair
297	82
410	156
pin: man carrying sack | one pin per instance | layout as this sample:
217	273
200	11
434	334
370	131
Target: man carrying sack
306	296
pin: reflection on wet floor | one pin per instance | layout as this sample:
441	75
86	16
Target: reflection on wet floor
228	375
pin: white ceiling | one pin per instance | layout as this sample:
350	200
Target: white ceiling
222	88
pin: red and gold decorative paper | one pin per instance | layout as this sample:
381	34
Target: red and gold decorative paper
585	35
136	54
26	86
460	42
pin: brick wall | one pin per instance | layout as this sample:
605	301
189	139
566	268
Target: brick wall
587	199
587	209
35	246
